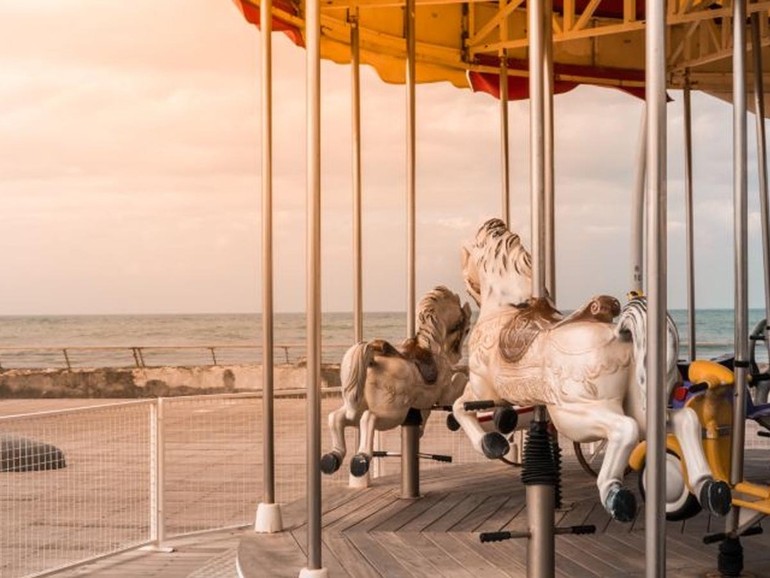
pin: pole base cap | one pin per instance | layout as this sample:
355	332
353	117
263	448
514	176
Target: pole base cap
269	519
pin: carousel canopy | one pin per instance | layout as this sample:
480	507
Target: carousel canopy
596	42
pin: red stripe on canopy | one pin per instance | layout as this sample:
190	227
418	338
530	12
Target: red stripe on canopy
251	14
566	77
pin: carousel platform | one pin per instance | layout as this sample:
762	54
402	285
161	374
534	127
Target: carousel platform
374	533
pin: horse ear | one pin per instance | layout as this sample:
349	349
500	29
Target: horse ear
467	310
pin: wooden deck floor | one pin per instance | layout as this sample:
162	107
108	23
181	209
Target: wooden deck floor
373	533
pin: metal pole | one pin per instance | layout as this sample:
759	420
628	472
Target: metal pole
536	14
313	301
540	499
504	147
759	110
504	129
358	316
655	532
637	209
740	185
411	302
548	153
410	455
266	24
688	212
268	512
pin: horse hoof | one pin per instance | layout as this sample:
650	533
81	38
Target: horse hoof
506	419
451	423
359	465
716	497
621	504
494	445
330	462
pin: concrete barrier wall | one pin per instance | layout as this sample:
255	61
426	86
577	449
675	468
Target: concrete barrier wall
152	381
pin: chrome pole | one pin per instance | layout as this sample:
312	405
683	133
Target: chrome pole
268	446
268	512
740	185
759	110
548	153
358	316
411	172
540	498
655	530
313	296
504	128
536	14
637	209
504	146
689	225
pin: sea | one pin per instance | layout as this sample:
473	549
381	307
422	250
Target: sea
59	341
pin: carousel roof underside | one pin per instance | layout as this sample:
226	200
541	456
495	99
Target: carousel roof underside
596	42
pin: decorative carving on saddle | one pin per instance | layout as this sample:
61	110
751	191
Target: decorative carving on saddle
411	351
533	317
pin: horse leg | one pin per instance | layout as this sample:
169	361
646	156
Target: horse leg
492	444
331	461
359	463
713	495
586	422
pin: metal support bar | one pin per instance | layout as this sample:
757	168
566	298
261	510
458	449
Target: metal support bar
268	437
504	140
313	295
536	14
540	477
411	168
67	359
759	111
637	210
740	208
688	212
655	532
549	207
410	455
355	78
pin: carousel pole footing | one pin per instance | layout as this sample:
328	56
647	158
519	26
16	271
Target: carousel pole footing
730	559
269	519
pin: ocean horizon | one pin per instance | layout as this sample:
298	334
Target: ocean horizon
37	341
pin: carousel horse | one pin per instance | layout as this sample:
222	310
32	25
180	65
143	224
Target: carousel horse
380	382
588	371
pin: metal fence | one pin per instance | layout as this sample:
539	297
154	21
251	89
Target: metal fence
139	472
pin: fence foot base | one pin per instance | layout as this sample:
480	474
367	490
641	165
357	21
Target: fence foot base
269	519
156	548
319	573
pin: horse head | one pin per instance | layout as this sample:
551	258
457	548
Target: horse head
444	322
496	264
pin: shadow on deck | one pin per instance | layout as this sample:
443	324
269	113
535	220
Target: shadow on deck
373	533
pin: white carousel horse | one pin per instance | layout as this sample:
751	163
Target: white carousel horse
588	371
380	382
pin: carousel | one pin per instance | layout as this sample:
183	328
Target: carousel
609	373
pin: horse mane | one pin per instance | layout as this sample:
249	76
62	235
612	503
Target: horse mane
501	250
431	331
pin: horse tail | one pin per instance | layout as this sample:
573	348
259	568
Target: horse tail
633	324
353	371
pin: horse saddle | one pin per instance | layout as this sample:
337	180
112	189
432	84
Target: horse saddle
537	315
410	351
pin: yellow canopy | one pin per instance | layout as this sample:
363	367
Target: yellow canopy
598	42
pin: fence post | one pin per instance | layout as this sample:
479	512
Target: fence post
157	471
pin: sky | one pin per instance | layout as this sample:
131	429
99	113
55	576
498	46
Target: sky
130	172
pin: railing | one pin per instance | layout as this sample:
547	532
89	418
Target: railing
141	472
71	357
